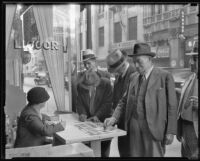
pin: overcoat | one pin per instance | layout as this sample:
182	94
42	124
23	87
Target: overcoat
32	130
102	102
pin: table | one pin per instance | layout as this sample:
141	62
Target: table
75	133
71	150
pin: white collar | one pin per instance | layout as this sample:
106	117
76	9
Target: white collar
123	74
148	72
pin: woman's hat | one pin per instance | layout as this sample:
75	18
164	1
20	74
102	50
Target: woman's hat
88	79
142	49
88	54
37	95
115	60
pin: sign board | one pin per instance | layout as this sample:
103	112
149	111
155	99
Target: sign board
163	51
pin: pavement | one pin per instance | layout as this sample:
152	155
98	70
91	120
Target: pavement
173	150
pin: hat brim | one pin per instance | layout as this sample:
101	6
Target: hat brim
87	86
143	54
89	59
113	70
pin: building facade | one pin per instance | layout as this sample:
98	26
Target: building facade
113	27
167	29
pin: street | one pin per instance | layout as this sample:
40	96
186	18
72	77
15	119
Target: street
173	150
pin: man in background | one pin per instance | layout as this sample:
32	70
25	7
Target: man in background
150	107
118	65
188	112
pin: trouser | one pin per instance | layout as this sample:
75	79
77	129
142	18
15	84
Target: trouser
105	148
141	141
189	146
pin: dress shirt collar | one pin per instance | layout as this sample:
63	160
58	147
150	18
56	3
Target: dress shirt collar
124	73
148	72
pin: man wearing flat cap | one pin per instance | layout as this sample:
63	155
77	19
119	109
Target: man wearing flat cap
89	60
118	64
94	101
150	107
32	128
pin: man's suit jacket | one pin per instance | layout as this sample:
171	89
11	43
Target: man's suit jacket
102	101
32	130
120	87
160	103
76	80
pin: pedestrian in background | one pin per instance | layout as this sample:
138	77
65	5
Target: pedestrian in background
94	101
150	107
188	112
118	65
33	127
89	61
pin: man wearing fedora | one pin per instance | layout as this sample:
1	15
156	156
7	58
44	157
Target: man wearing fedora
188	112
118	64
94	101
150	107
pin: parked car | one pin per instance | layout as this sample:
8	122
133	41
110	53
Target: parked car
42	78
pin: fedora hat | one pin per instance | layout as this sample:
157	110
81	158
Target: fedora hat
142	49
115	60
88	54
88	79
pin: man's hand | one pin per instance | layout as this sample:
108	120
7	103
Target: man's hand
83	117
93	119
168	139
109	121
63	123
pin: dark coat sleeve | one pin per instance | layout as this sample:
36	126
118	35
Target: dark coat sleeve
105	108
80	102
45	117
36	125
172	105
120	109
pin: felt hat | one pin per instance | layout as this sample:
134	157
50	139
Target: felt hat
88	54
37	95
142	49
88	79
115	60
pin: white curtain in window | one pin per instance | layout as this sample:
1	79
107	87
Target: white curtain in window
54	59
10	13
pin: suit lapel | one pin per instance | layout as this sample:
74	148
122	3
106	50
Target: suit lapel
152	78
134	84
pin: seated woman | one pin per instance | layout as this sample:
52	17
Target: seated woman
32	129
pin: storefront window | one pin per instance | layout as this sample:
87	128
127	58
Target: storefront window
46	36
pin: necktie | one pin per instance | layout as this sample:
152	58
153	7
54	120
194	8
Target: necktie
92	96
141	80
